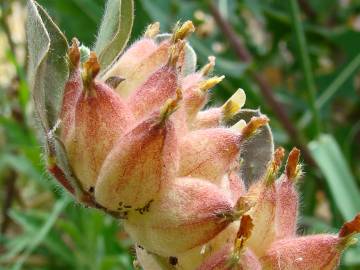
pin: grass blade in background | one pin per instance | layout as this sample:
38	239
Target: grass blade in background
332	163
41	235
114	31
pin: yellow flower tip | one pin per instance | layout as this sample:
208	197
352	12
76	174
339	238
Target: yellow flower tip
239	126
210	83
74	53
293	168
152	30
253	126
90	70
234	104
170	106
209	67
175	53
183	31
275	165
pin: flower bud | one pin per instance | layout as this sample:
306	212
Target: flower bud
193	258
263	194
215	116
321	251
141	162
159	87
233	185
235	255
208	119
72	91
208	153
145	58
100	118
189	212
196	95
287	199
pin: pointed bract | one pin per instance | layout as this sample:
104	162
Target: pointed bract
141	162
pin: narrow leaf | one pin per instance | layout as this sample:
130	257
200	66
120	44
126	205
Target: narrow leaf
114	31
48	69
332	163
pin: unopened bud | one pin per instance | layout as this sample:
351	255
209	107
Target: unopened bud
154	92
208	153
99	121
287	199
139	164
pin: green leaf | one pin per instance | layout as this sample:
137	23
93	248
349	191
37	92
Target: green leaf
114	31
48	70
332	163
257	152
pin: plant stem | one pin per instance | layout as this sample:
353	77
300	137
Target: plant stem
305	62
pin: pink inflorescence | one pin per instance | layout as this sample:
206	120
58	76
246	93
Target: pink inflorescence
143	149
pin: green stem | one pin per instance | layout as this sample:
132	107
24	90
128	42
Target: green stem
305	62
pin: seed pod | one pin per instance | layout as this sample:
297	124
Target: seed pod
139	164
189	212
101	117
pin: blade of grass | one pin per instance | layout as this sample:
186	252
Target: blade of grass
44	230
305	62
343	188
331	90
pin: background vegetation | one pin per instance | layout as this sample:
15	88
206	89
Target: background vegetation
297	60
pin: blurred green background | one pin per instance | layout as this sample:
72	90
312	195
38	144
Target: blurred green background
297	60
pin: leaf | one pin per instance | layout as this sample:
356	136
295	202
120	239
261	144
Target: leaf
48	70
332	163
257	152
114	31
